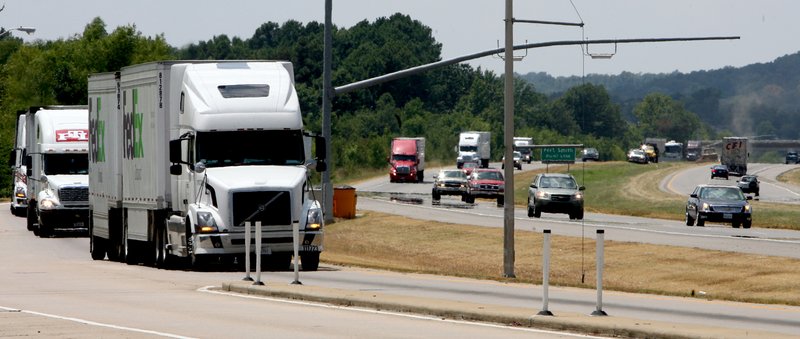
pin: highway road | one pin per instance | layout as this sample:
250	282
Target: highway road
51	288
54	279
772	190
380	195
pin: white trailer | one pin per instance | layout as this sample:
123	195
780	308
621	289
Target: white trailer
57	169
202	149
734	155
19	177
525	147
474	145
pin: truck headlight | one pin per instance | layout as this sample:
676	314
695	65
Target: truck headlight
48	203
20	192
314	219
206	223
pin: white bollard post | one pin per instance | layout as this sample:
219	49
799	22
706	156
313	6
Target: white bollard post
296	242
247	237
258	254
599	310
545	274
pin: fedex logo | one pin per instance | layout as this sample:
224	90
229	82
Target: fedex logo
72	135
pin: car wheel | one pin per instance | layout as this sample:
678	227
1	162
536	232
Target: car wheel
436	196
470	199
689	219
537	213
736	224
747	224
530	212
701	222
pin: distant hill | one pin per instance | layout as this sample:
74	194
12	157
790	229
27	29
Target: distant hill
728	99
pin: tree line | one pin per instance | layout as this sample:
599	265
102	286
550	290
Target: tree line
437	105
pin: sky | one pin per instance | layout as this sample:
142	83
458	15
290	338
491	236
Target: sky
767	29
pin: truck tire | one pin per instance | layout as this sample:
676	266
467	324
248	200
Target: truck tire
309	261
421	176
500	201
747	224
436	196
530	210
31	216
537	213
97	245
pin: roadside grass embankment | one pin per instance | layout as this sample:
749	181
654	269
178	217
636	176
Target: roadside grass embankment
404	244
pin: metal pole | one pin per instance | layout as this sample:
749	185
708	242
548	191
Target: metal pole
327	96
599	310
258	254
296	242
546	274
508	141
247	237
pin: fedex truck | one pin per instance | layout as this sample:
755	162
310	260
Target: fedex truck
407	160
57	169
186	154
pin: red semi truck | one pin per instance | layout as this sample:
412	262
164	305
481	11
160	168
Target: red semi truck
407	160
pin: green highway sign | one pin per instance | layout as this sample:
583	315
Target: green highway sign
558	155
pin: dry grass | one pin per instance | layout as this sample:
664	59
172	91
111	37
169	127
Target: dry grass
403	244
792	177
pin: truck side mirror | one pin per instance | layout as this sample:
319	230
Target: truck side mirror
175	151
28	167
12	158
320	153
175	169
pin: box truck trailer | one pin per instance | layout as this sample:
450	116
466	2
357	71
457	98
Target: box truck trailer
57	169
19	175
185	154
474	145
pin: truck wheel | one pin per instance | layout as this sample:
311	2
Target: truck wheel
470	199
700	222
31	216
421	176
579	214
501	201
43	231
309	261
97	245
130	255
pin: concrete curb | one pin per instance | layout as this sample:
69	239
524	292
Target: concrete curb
514	316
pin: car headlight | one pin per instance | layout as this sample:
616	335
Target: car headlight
206	223
542	195
705	206
578	196
747	209
314	219
48	203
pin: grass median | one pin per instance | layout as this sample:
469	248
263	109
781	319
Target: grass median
403	244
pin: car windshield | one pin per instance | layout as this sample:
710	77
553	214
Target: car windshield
453	174
722	193
489	176
748	179
558	182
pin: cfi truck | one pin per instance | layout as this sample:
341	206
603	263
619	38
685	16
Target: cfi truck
57	169
407	160
474	145
185	155
734	155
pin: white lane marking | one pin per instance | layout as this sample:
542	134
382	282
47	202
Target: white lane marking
207	289
87	322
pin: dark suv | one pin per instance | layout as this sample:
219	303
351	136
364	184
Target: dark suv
555	193
449	182
749	184
791	157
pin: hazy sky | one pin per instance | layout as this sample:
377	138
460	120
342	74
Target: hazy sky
768	28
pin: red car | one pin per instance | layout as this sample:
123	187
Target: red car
486	183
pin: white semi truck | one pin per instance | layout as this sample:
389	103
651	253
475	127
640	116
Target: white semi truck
57	169
474	145
525	147
19	176
184	154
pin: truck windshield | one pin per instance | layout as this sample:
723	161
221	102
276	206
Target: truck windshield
237	148
468	148
66	163
404	157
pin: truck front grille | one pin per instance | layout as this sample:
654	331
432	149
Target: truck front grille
74	194
403	170
252	206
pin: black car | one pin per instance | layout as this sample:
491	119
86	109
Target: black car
590	154
792	158
749	184
718	203
719	171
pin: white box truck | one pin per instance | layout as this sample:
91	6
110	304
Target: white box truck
19	177
734	155
474	145
57	169
186	153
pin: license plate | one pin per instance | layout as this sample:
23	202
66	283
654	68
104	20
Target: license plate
727	216
79	224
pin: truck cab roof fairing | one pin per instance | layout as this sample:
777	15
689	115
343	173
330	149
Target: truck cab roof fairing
204	86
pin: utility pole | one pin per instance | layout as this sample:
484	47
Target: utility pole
327	96
508	142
